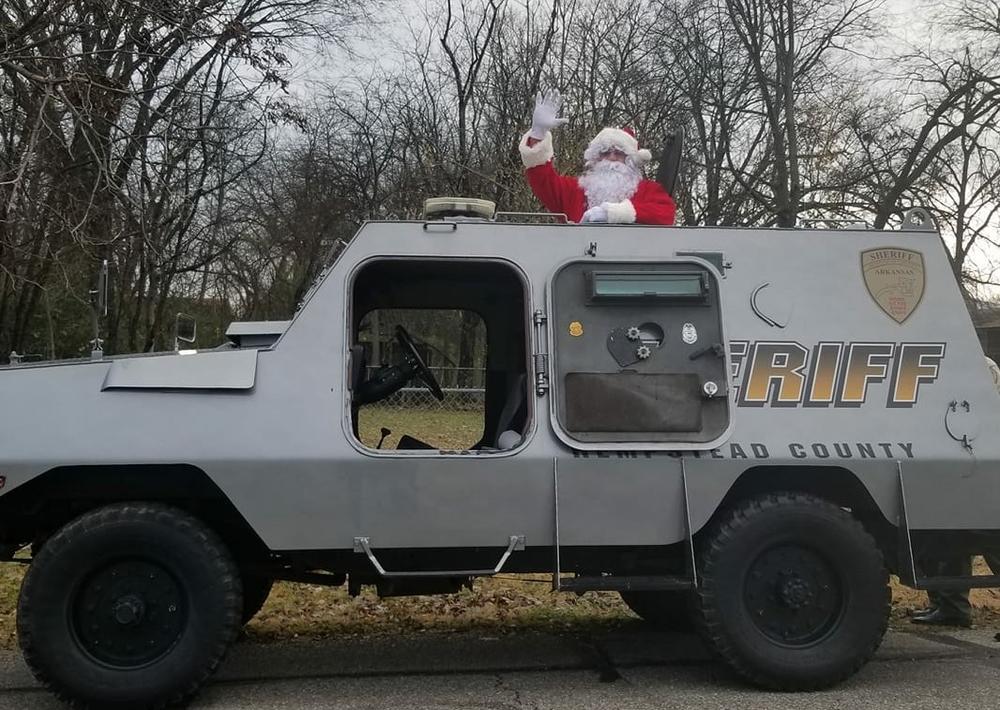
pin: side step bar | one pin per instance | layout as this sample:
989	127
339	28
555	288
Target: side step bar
625	584
629	583
363	544
952	584
908	567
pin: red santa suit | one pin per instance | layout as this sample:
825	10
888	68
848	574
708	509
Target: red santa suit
648	204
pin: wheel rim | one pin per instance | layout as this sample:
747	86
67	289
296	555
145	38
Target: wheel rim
794	595
128	613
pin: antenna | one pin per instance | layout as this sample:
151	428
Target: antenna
99	309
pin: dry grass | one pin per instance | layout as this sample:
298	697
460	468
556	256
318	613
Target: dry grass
493	606
444	429
10	584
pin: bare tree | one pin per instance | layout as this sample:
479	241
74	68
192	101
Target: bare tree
117	114
162	139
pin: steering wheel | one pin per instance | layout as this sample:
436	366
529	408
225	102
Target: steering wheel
412	358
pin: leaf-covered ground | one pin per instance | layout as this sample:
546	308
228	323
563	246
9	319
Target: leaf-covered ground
495	606
10	584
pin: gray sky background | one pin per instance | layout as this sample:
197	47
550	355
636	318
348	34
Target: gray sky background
909	25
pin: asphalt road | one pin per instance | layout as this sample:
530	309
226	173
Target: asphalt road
632	668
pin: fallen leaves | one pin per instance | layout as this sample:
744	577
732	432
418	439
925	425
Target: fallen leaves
493	607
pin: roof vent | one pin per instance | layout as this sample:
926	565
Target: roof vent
458	207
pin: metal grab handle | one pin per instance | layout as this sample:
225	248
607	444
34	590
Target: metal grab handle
363	544
440	226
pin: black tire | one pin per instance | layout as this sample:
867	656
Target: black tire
132	605
255	593
666	610
794	594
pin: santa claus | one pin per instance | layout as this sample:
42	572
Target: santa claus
611	189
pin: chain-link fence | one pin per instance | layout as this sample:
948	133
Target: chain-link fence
443	338
456	423
463	387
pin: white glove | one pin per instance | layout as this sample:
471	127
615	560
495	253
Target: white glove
598	213
546	115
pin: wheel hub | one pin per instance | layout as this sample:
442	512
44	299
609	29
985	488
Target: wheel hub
129	609
793	595
128	613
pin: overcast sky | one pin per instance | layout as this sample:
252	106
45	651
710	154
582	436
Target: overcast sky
907	26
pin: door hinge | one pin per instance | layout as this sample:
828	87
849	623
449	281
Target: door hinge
541	356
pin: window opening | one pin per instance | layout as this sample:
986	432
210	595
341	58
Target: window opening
451	343
439	355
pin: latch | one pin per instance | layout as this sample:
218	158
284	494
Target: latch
962	425
541	356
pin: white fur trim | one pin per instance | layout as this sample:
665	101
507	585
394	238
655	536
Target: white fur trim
609	138
538	154
620	212
609	181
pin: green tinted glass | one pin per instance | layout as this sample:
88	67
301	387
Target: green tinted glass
647	285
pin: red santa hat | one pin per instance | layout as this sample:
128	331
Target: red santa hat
622	139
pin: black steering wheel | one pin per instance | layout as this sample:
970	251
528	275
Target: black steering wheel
412	358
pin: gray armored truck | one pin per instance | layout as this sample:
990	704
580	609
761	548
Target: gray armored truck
750	428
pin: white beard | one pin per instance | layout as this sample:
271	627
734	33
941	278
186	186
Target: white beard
609	181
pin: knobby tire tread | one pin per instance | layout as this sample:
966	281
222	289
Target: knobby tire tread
215	551
711	627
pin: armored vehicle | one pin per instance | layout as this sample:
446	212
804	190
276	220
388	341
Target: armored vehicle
750	428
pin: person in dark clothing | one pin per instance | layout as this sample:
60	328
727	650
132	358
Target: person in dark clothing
948	608
953	608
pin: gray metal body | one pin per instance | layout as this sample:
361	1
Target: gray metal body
271	426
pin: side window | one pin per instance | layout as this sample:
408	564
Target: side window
452	343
